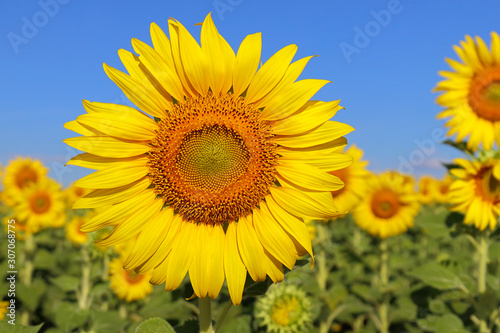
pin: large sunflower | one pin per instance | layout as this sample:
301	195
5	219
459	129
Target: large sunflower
354	178
389	206
20	173
472	92
218	182
476	192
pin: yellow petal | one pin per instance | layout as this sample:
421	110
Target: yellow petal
303	204
495	47
250	249
80	129
327	132
247	62
115	176
107	146
199	271
308	176
90	161
234	269
311	115
270	74
326	160
218	238
274	268
292	99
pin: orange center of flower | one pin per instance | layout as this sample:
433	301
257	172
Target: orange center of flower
40	202
484	94
487	186
25	176
385	204
132	277
213	159
343	174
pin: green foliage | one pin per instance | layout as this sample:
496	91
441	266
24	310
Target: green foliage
154	325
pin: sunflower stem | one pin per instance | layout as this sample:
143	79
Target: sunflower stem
29	249
222	315
482	270
205	317
384	279
83	299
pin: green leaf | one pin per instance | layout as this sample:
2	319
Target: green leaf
428	323
44	259
30	295
433	224
462	146
253	288
107	321
190	326
336	294
66	282
486	303
438	276
449	323
494	251
369	294
154	325
406	311
437	306
68	316
240	324
18	328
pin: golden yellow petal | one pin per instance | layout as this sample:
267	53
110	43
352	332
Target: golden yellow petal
234	268
250	249
107	146
247	62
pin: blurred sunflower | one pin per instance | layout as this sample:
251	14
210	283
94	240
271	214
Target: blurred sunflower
3	308
73	193
354	178
19	173
73	232
426	189
40	205
442	187
284	309
476	192
472	92
218	182
129	286
389	206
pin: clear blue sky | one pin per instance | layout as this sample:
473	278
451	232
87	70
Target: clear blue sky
51	58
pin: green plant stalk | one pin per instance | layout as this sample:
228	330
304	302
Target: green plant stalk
384	279
222	315
29	249
83	299
482	270
205	317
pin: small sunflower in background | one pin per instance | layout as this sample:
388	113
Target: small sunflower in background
284	309
476	192
20	173
3	309
426	189
128	285
73	232
471	93
442	188
389	205
73	193
354	178
219	166
41	205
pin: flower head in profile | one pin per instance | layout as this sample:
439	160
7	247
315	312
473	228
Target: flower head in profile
218	165
284	309
471	92
389	206
476	192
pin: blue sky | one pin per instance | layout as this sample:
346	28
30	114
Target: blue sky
381	56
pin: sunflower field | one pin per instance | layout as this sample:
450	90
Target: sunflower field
228	200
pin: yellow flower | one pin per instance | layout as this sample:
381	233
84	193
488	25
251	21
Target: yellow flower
427	189
389	206
472	92
129	286
73	232
218	182
442	187
73	193
3	309
40	205
354	178
476	192
19	173
284	309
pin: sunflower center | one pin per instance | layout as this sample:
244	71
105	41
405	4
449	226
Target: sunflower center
286	312
213	159
484	94
343	175
385	204
40	203
132	277
488	186
25	176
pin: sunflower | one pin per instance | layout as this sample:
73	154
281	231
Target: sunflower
354	178
3	309
40	205
73	232
472	92
427	189
216	180
442	187
476	192
128	285
389	205
73	193
19	173
284	309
